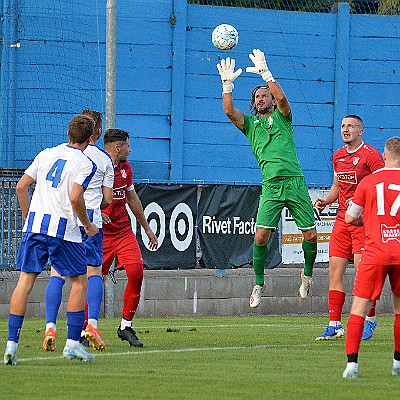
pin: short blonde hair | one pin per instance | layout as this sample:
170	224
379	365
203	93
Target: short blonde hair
392	146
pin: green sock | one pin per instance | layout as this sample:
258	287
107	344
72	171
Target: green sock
310	254
260	254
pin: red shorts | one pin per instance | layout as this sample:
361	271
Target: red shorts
371	276
125	249
346	240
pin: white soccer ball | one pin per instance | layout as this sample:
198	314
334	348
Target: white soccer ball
225	37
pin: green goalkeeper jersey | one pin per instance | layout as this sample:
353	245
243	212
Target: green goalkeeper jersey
271	139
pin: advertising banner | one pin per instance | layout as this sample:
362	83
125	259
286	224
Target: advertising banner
171	213
292	237
226	227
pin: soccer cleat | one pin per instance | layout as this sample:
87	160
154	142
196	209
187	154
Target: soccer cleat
396	368
10	355
304	288
331	332
130	335
369	328
351	370
49	342
78	353
93	334
255	297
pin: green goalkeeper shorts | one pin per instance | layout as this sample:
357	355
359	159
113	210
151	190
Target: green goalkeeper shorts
291	192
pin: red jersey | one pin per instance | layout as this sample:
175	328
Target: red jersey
379	196
350	167
120	222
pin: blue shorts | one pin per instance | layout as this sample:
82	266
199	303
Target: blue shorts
67	258
94	248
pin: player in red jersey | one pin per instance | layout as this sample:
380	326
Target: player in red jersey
119	240
376	204
351	164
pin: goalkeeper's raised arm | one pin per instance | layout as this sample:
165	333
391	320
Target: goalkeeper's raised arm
226	71
261	68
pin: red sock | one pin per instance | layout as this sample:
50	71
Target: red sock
134	272
335	302
372	310
355	327
396	331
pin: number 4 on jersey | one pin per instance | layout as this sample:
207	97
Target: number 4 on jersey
54	174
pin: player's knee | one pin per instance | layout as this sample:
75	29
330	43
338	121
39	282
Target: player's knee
261	237
311	236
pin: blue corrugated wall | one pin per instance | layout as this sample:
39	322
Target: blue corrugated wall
169	91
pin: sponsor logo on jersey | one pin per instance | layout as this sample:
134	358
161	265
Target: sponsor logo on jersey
390	233
119	193
347	177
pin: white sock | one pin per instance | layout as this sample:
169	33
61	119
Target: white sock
73	344
11	342
93	322
125	323
372	319
335	323
51	325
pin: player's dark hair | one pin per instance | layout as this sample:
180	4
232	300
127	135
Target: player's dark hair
115	135
97	118
357	117
81	127
252	106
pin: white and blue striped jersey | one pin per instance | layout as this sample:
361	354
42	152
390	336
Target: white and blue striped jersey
104	176
55	170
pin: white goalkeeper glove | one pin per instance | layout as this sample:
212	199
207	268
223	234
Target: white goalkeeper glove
260	66
225	69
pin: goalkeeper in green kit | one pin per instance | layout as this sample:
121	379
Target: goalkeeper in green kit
270	133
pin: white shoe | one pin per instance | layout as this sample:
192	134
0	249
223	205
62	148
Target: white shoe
255	297
10	355
396	368
78	352
305	285
351	370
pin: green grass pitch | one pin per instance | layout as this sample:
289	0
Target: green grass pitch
250	357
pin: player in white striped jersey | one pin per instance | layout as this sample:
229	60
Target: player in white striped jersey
98	195
51	231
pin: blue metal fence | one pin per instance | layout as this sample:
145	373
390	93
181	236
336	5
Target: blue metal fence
11	222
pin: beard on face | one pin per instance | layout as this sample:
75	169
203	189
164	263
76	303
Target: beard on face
265	109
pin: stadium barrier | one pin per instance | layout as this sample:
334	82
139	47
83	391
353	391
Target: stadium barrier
198	226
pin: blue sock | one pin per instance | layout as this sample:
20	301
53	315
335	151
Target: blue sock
53	298
14	327
94	296
75	320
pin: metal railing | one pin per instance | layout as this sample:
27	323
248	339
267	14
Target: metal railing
11	222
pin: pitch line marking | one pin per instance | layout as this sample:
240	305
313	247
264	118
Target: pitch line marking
186	350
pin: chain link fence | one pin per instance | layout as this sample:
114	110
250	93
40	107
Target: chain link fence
384	7
10	222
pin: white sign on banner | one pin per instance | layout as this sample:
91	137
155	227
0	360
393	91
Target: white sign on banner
292	238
